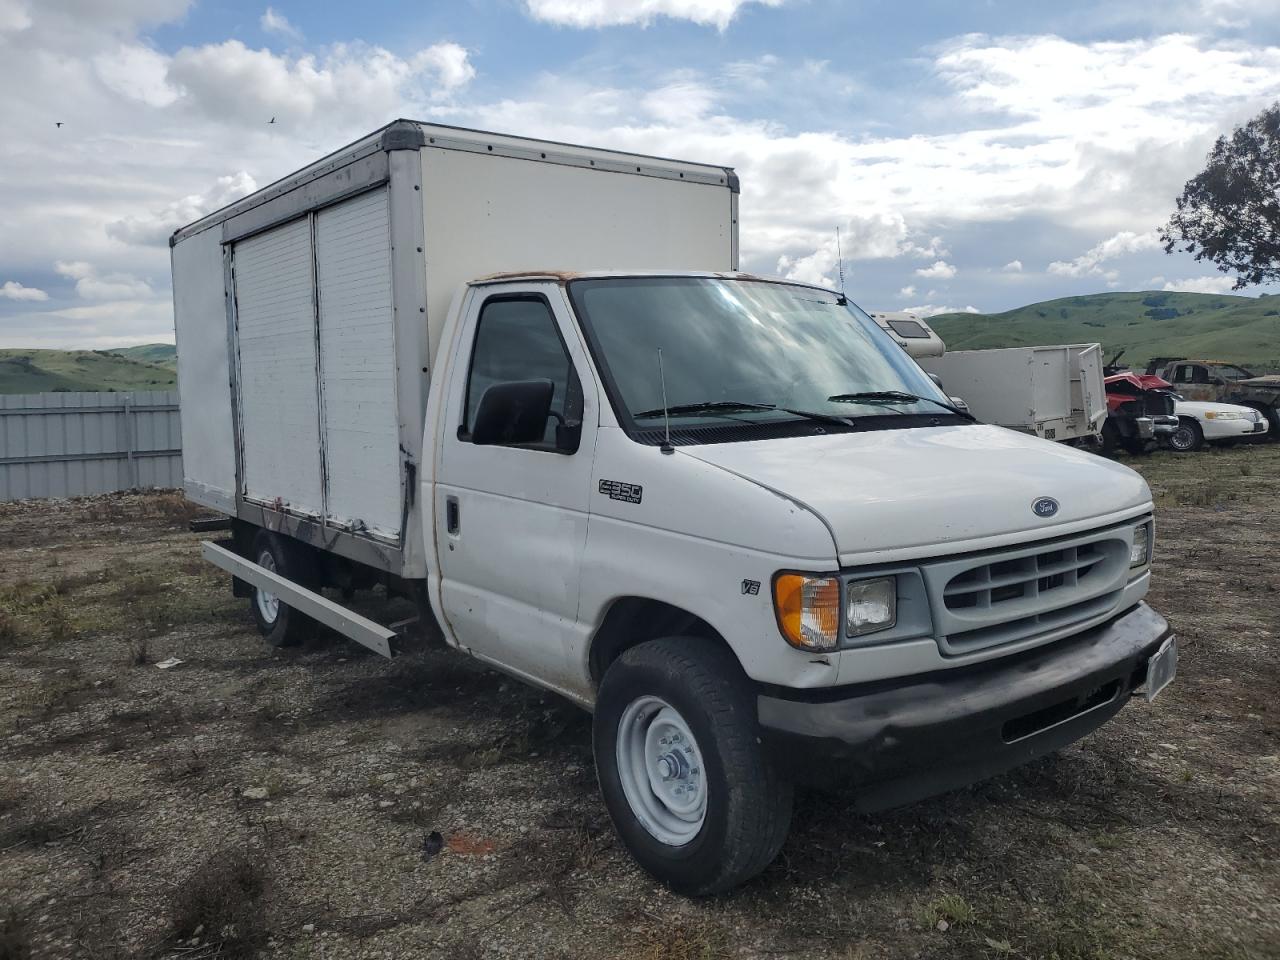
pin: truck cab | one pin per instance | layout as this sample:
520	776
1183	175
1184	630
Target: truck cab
726	514
1221	382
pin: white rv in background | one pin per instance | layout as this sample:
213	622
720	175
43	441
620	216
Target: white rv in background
522	384
1054	392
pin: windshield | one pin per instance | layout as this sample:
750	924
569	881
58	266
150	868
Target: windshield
745	350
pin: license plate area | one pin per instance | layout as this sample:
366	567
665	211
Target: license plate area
1161	668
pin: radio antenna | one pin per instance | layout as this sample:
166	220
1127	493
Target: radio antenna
840	261
666	416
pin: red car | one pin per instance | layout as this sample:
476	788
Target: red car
1139	410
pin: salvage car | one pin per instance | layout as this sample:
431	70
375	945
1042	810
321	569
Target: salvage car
1201	422
1140	411
523	385
1220	382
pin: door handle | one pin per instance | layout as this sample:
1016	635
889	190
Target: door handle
452	515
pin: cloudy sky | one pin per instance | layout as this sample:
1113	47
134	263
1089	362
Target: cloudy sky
978	155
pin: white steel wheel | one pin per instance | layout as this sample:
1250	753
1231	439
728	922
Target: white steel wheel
661	771
268	603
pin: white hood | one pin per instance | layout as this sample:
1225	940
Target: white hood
1198	408
891	493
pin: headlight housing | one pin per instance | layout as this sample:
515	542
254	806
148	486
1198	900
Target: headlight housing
870	605
809	608
1140	550
1227	415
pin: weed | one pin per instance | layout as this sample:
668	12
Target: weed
223	900
1246	469
952	909
8	628
679	941
139	654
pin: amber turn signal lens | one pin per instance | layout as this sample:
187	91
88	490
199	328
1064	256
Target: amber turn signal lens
808	610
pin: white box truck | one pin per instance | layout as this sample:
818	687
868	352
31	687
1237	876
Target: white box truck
521	383
1055	392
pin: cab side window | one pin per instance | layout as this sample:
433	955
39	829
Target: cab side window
517	339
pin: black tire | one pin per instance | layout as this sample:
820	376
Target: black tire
748	805
1188	438
295	562
1110	436
1135	446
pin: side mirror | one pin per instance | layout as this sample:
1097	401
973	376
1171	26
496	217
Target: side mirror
513	413
937	381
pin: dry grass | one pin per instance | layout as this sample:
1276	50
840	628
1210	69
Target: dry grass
220	905
1153	839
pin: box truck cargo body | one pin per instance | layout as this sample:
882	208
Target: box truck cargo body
308	314
1054	392
523	385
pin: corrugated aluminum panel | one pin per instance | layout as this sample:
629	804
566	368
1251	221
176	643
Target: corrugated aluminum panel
358	365
279	402
76	444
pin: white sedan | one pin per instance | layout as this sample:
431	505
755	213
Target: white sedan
1201	422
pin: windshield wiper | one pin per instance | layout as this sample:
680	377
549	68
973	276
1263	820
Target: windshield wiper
897	396
706	406
729	406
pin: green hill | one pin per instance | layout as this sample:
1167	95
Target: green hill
1244	330
40	371
161	354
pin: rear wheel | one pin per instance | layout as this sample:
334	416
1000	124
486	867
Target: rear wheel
1188	437
690	790
279	623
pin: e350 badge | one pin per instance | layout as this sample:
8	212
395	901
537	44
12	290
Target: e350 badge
618	490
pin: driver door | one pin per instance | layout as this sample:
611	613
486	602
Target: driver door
511	521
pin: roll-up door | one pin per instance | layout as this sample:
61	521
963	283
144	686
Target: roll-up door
279	402
357	365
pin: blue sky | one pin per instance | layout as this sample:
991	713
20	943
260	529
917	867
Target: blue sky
975	156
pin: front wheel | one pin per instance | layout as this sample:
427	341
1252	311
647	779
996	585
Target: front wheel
1187	438
689	788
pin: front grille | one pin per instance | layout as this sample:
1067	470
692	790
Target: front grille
1158	403
1023	578
1013	595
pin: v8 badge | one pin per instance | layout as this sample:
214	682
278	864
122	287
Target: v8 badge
750	587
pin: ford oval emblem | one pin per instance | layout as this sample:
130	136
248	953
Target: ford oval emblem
1045	507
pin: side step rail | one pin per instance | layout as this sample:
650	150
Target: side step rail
347	622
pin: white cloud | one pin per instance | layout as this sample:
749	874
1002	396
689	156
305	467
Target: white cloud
102	325
907	291
1088	263
941	270
932	310
348	84
608	13
14	16
273	22
155	228
136	72
1013	266
13	290
1201	285
90	285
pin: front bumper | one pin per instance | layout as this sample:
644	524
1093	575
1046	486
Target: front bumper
1163	426
897	741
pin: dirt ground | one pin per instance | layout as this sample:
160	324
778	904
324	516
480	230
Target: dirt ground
323	802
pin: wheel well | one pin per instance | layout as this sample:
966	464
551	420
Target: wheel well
635	620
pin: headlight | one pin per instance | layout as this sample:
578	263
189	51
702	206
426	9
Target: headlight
1140	551
808	610
1227	415
870	605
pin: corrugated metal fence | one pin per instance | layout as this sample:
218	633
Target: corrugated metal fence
72	444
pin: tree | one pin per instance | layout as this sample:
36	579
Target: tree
1229	213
